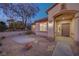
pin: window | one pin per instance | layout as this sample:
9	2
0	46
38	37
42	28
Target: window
33	27
43	27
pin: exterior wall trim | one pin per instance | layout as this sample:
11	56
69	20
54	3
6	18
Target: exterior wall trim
52	7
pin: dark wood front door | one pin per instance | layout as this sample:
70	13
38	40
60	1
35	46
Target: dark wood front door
66	29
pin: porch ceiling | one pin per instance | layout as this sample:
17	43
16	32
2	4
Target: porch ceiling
65	15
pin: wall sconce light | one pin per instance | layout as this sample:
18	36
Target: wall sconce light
50	23
59	28
63	18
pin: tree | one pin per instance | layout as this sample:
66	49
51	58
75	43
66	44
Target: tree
16	25
25	11
3	26
19	25
11	23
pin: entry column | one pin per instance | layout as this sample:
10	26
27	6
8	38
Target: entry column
77	27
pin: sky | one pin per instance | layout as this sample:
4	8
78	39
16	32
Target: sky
3	17
41	14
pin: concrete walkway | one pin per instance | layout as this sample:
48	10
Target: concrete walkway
23	39
41	46
62	49
14	46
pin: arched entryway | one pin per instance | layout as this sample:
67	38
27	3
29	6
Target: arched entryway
64	25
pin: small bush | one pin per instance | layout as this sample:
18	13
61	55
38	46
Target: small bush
3	37
0	44
0	52
29	32
3	26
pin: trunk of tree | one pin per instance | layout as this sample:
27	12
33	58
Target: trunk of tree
26	22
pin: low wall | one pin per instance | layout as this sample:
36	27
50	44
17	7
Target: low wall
13	33
45	34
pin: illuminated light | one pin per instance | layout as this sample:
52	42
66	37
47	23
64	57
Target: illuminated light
50	24
59	28
43	27
63	18
33	27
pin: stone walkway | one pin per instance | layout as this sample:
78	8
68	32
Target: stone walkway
11	46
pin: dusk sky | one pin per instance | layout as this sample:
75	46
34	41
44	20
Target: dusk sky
42	13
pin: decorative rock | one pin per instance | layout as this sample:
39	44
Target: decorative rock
28	46
0	44
3	54
50	48
0	52
3	37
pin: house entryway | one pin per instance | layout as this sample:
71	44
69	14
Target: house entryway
64	25
62	32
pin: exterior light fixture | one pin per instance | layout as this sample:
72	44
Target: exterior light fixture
63	18
50	24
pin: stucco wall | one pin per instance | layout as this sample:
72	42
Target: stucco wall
45	34
72	6
74	27
76	19
38	32
54	10
51	13
37	28
72	32
51	29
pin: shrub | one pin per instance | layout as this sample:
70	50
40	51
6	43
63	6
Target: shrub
0	44
3	26
29	32
3	37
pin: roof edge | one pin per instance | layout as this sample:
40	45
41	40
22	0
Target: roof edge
42	19
53	5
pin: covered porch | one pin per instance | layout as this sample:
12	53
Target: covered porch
65	26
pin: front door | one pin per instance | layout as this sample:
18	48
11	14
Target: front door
66	29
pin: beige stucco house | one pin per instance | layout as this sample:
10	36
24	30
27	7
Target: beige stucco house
40	27
63	21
